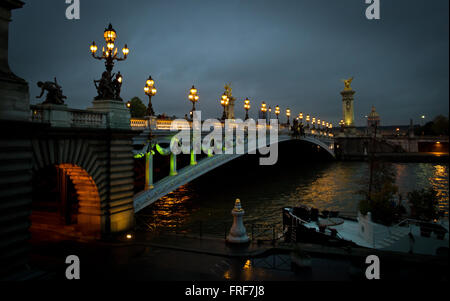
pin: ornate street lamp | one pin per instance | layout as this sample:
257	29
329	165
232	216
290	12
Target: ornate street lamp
128	104
307	121
300	117
263	109
288	114
193	97
150	91
108	87
314	122
246	107
277	111
224	100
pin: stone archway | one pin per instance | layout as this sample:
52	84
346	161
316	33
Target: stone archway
67	204
89	211
77	160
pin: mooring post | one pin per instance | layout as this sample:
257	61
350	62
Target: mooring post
237	234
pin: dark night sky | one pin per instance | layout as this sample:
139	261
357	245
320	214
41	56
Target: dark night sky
290	53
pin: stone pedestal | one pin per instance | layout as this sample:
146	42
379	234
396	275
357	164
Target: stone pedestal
238	233
152	122
15	159
118	114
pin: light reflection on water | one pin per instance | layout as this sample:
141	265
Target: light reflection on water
330	186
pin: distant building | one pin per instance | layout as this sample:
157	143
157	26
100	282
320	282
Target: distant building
373	119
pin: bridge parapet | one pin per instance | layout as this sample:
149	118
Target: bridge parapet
62	116
103	114
139	124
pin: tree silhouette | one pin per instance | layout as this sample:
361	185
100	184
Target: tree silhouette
137	107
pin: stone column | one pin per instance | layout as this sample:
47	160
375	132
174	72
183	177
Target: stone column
347	108
15	100
15	158
229	110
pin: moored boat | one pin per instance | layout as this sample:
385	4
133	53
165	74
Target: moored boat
303	224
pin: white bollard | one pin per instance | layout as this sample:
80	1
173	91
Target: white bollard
238	234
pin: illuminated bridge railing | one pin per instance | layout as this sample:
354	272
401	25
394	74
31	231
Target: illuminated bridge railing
165	125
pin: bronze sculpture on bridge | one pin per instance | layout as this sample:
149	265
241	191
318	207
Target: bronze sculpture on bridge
107	87
54	92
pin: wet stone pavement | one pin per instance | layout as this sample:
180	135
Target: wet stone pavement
171	258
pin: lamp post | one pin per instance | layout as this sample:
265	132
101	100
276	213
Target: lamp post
224	102
423	119
108	87
288	114
277	111
246	107
307	121
263	110
300	117
323	127
314	122
150	91
193	97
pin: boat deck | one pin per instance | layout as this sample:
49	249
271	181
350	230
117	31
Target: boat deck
349	230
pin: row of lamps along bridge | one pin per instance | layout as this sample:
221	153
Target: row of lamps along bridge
110	55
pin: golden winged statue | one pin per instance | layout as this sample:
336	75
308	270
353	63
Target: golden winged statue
228	90
347	83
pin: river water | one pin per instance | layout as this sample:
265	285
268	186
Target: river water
264	191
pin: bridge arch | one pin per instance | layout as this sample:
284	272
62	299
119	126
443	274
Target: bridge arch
76	165
189	173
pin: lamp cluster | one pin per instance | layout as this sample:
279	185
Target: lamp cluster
224	101
150	91
110	53
315	125
193	97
